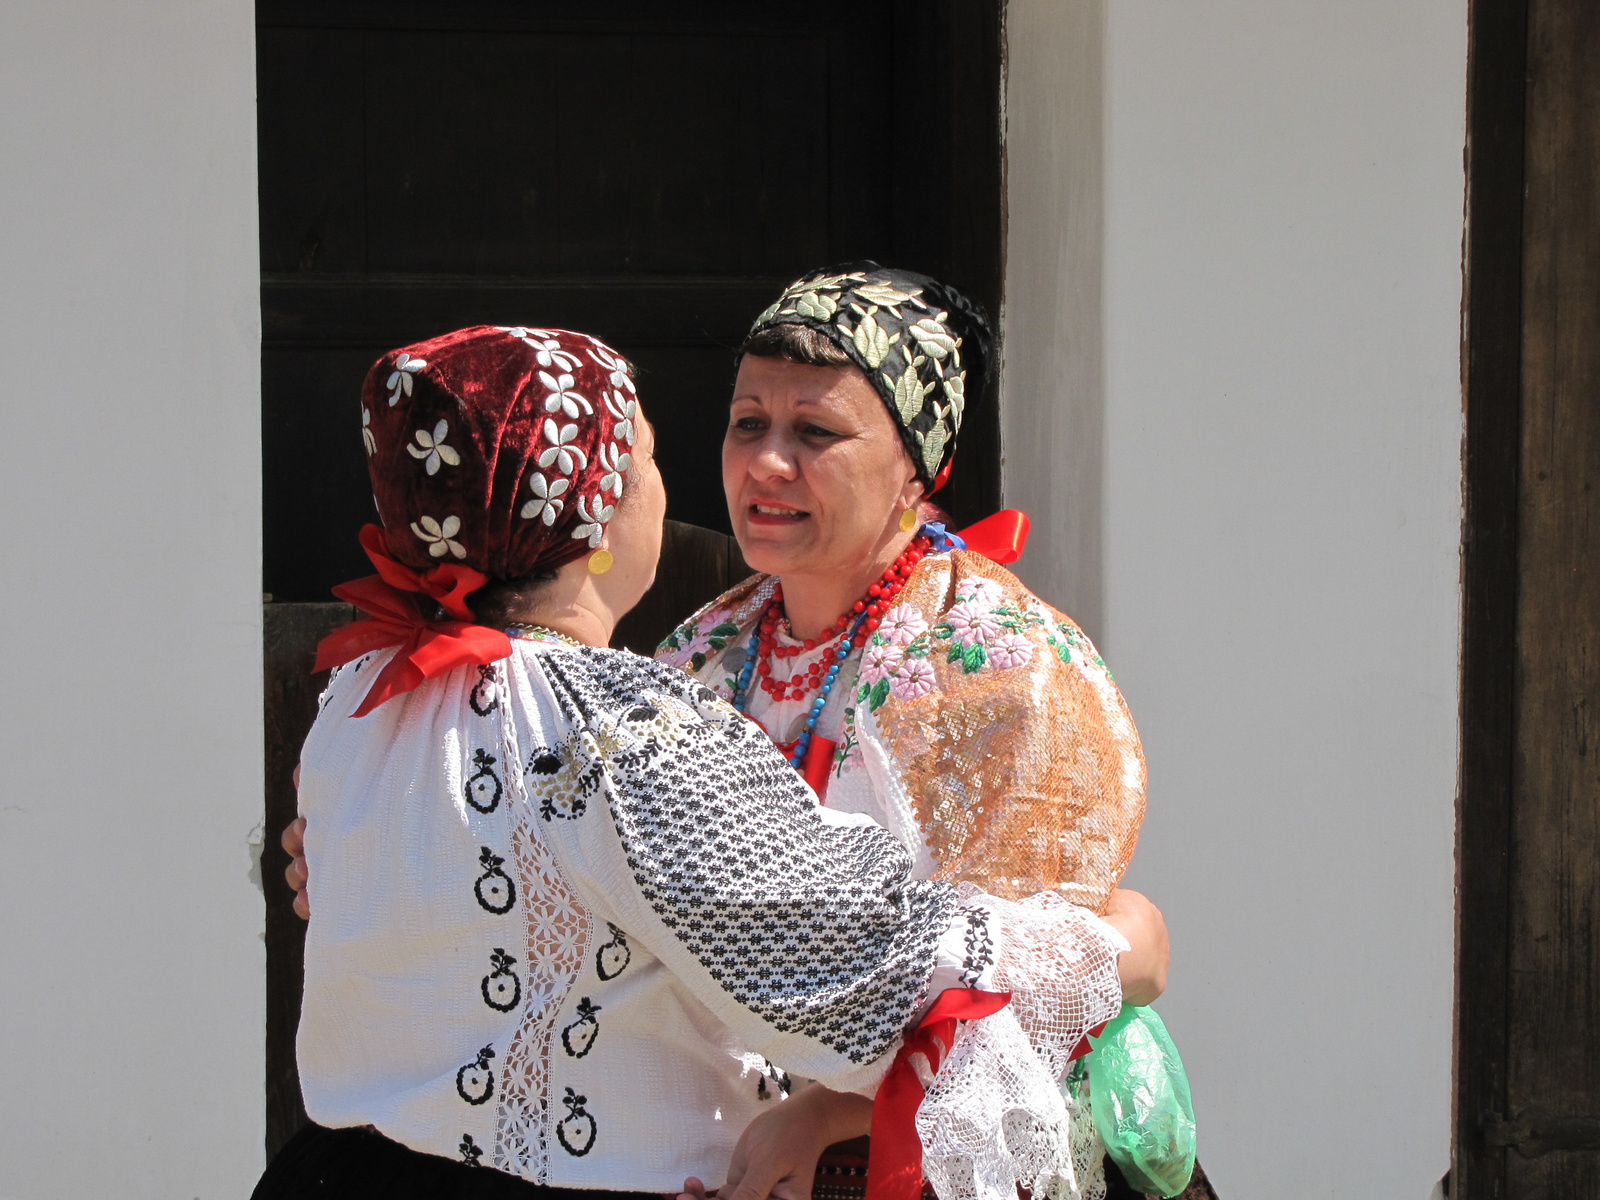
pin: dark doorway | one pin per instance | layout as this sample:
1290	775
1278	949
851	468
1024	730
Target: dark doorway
1528	1020
649	173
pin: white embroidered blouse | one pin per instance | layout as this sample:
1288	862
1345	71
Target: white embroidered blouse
576	919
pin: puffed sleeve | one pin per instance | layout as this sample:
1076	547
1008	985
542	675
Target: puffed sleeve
989	719
802	932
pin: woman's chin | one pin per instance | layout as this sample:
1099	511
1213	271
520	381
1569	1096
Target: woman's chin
770	552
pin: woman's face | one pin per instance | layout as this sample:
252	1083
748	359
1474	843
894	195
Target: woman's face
633	534
814	470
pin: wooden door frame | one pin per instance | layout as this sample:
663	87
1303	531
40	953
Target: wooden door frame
1492	377
1528	683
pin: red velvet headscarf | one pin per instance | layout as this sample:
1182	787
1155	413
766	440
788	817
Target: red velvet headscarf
503	449
494	453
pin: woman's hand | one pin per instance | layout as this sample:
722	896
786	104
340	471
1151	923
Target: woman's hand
777	1153
1143	969
295	874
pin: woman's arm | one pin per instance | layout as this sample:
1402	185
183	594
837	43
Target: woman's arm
1143	967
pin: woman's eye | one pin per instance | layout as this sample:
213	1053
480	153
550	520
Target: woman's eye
817	431
749	424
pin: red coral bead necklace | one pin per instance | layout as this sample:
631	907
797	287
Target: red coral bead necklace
855	624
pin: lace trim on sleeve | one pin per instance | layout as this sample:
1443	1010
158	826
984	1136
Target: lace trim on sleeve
994	1118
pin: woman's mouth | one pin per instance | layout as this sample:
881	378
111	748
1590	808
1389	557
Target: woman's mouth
775	514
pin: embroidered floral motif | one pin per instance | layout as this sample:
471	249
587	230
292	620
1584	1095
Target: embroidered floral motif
367	438
483	697
624	408
595	516
576	1130
613	957
483	789
915	678
501	988
547	351
475	1081
547	502
691	644
400	378
494	890
979	630
577	1039
431	449
562	397
471	1152
902	625
560	782
567	457
1067	639
616	461
440	536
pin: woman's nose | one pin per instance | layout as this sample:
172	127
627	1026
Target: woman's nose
772	460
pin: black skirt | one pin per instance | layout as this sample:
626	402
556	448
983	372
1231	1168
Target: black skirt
361	1164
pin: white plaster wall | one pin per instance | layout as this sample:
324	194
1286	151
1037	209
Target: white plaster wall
131	966
1279	517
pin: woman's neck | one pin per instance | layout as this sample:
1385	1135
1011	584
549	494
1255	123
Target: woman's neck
812	602
576	620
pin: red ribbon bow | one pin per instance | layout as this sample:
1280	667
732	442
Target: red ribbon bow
999	537
894	1158
427	648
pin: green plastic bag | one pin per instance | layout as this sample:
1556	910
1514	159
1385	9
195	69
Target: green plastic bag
1139	1096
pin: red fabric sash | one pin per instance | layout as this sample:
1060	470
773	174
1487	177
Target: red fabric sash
1000	536
428	649
894	1160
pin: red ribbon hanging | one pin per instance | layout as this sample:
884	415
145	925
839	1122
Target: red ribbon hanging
1000	537
428	649
894	1159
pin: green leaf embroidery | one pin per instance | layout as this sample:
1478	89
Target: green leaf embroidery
957	651
698	661
974	658
872	340
880	693
726	629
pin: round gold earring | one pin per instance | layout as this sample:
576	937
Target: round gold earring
908	520
601	561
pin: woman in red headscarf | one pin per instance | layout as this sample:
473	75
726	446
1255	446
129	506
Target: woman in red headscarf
571	908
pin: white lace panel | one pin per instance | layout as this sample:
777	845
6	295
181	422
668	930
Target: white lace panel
559	931
994	1117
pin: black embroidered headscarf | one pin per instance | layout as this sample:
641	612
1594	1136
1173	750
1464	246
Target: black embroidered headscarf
923	345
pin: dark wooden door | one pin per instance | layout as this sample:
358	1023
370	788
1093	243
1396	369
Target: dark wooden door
1529	987
649	173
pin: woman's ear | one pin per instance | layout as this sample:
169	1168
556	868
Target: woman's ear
912	492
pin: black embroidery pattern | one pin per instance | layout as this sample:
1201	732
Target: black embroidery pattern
494	889
577	1039
979	955
483	789
475	1081
471	1152
779	1077
501	988
576	1130
483	698
562	778
839	945
613	957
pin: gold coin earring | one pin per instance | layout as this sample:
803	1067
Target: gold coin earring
601	561
908	520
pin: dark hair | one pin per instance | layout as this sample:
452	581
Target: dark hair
797	344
